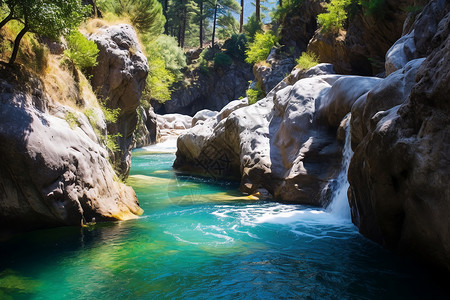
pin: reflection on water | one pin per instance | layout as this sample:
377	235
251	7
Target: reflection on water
200	239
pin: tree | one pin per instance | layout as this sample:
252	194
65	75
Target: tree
49	18
146	15
223	7
241	18
258	10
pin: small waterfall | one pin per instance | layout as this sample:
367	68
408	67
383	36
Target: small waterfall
339	204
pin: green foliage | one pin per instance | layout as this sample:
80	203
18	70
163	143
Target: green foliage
72	120
335	16
222	60
111	115
111	142
289	7
165	60
82	52
235	46
252	27
228	26
145	15
259	49
205	58
255	94
166	47
307	60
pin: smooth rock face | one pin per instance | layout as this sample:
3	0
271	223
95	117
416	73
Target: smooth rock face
147	132
52	175
118	80
399	174
279	145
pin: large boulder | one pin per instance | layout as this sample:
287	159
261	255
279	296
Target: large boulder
118	80
279	145
53	171
399	174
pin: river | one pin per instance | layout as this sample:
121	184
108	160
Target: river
201	239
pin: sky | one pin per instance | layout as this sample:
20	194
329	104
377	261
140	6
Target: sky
249	8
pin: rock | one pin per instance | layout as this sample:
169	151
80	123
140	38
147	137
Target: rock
174	121
360	48
298	28
269	73
203	115
147	132
417	41
50	174
278	144
400	171
118	80
212	90
320	69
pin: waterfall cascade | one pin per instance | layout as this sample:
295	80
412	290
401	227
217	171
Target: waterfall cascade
339	204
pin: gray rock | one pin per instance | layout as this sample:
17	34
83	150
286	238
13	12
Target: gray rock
53	175
118	80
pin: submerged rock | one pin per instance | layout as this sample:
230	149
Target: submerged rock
52	174
119	79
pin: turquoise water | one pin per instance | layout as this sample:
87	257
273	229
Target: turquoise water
202	240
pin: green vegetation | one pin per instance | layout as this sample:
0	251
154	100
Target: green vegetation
72	120
82	52
145	15
236	46
307	60
222	60
255	94
44	17
334	19
289	7
253	27
259	49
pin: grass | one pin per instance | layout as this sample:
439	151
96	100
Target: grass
307	60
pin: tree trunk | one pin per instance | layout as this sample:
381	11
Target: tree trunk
183	24
258	10
166	25
201	24
16	45
214	26
6	20
281	3
241	21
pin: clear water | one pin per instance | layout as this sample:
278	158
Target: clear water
203	240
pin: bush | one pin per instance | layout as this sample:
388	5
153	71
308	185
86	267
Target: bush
255	94
289	6
82	52
307	60
235	46
259	49
252	27
167	48
334	19
221	60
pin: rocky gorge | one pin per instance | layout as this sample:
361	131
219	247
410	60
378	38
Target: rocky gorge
289	145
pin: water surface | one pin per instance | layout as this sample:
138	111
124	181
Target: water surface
200	239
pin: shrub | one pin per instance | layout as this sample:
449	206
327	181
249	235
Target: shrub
167	48
235	46
307	60
289	6
82	52
259	49
336	16
255	94
159	80
252	27
221	60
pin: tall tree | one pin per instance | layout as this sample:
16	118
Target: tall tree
241	18
223	7
258	10
201	22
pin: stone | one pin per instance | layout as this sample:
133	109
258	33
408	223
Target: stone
52	174
119	79
399	174
203	115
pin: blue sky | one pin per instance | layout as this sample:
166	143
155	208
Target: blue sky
249	8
